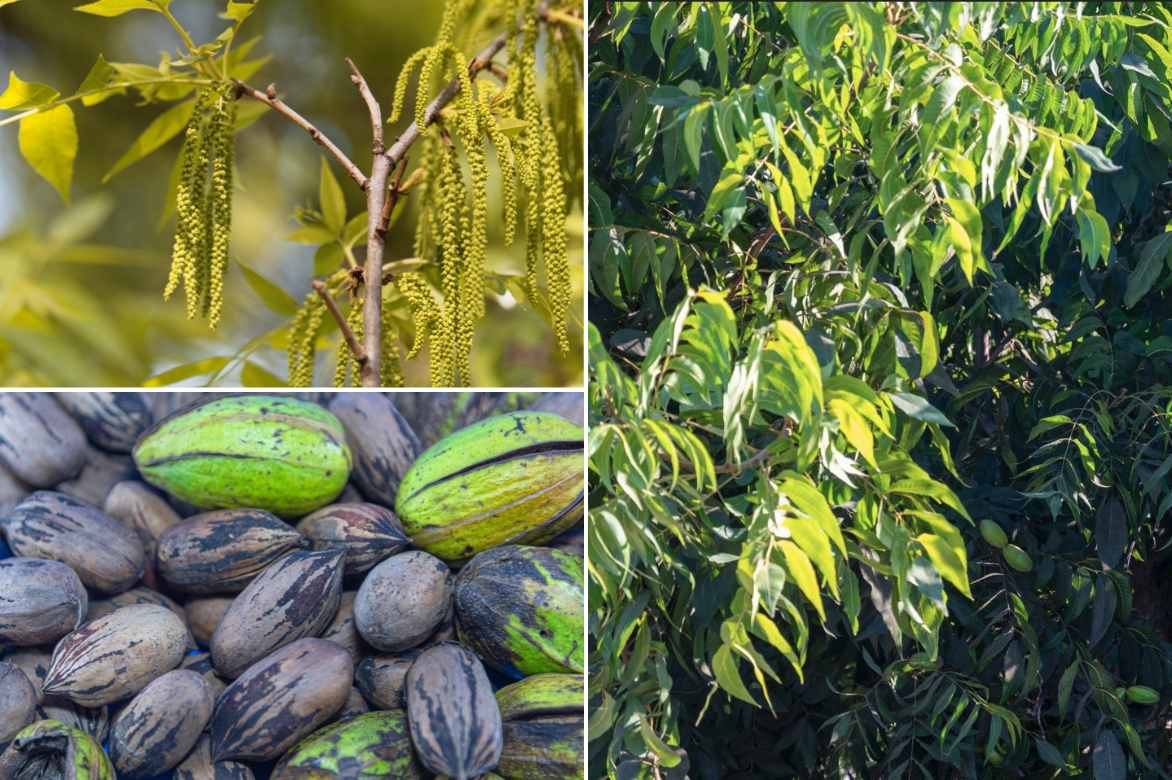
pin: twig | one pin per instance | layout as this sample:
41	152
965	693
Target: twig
351	340
413	131
376	114
392	199
269	97
376	194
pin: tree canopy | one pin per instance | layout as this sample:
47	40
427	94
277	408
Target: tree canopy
881	385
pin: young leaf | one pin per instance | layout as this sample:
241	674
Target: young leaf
273	296
333	202
101	74
48	141
164	127
119	7
724	666
21	95
799	568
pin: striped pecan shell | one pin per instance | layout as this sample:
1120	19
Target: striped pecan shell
383	679
296	597
281	699
204	614
160	725
41	601
221	552
199	765
39	442
18	702
112	421
455	721
381	440
367	532
107	556
117	655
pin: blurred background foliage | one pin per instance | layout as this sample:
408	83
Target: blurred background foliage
80	287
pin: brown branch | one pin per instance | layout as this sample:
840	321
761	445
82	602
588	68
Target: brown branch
376	114
269	98
413	131
376	194
392	199
351	340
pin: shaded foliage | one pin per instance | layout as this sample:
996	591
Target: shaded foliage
862	276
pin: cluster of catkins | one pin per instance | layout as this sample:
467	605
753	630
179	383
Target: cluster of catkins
203	204
453	231
544	157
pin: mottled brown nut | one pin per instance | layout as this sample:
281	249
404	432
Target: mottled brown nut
34	662
355	705
107	556
342	630
199	766
222	551
94	721
140	507
281	699
203	615
383	679
12	492
201	664
117	656
403	600
367	533
101	472
296	597
39	442
455	721
112	421
381	441
102	607
18	701
43	601
160	725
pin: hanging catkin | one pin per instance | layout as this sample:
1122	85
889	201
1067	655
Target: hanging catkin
203	204
303	333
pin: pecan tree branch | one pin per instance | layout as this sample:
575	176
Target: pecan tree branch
269	98
351	340
413	131
376	114
376	196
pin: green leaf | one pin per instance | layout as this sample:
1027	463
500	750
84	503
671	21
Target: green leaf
253	375
22	95
724	666
237	11
855	429
918	408
48	141
694	131
665	14
948	560
101	74
799	568
164	127
273	296
186	371
1108	760
119	7
333	202
663	751
1151	261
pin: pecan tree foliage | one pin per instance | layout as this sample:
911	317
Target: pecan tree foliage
881	385
380	308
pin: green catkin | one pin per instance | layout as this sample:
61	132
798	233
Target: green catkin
436	55
223	122
424	312
346	369
390	367
530	112
553	222
450	194
189	205
401	84
504	157
303	333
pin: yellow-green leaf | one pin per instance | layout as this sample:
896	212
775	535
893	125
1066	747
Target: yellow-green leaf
48	141
273	296
101	74
165	126
724	666
119	7
186	371
333	203
253	375
855	429
765	628
667	756
22	94
947	561
802	572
